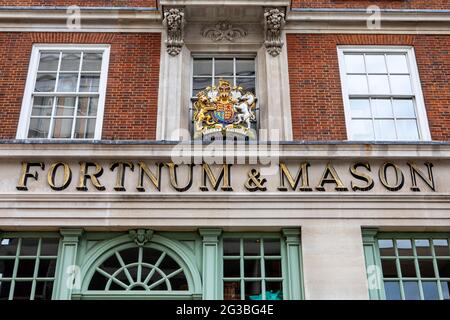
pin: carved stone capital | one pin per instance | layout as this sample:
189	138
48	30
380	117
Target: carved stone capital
174	23
274	22
141	236
223	30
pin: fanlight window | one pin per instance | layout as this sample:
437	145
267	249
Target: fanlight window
139	268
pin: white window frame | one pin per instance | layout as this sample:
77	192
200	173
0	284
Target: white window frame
25	113
421	115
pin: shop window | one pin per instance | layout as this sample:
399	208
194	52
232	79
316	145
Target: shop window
253	269
382	94
27	268
65	93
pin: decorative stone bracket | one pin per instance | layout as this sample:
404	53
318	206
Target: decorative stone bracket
174	23
141	236
274	22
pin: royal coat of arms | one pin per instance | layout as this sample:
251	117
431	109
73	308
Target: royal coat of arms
224	109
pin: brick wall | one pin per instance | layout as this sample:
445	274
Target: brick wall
384	4
81	3
316	97
132	89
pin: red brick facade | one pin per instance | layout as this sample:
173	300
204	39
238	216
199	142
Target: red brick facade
83	3
316	96
132	88
384	4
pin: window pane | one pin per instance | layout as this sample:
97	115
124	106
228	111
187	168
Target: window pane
39	128
354	63
360	108
8	247
430	290
231	247
49	247
407	130
378	84
22	290
232	290
202	67
404	247
87	106
446	290
397	63
245	67
386	247
444	268
375	63
223	67
253	290
42	106
404	108
92	62
361	130
89	83
385	130
45	82
426	268
49	61
46	268
246	84
6	268
85	128
200	84
441	247
26	268
408	268
411	289
382	108
272	247
392	289
274	290
70	62
5	287
423	247
252	247
401	85
252	268
179	282
62	128
67	82
389	268
357	85
273	268
43	290
29	247
65	106
231	268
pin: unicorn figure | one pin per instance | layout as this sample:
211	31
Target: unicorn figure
244	109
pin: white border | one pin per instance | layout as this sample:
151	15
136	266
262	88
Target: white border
25	113
422	119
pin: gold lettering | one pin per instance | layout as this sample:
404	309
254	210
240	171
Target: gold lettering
145	171
120	177
173	176
67	178
302	173
330	170
428	180
84	175
361	176
22	185
224	174
399	178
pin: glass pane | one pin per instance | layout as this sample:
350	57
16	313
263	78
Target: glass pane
252	247
389	268
246	84
430	290
5	286
401	85
273	268
49	61
382	108
252	268
43	290
231	247
85	128
62	128
404	108
444	268
426	268
232	290
89	83
408	268
445	290
231	268
98	282
202	67
272	247
360	108
357	85
392	290
39	128
22	290
67	82
6	268
223	67
70	62
26	268
87	106
404	247
411	289
45	82
378	84
29	247
245	67
42	106
49	247
65	106
179	282
386	247
441	247
150	255
253	290
407	130
168	265
132	255
361	130
92	62
375	63
200	84
110	265
46	268
423	247
354	63
385	130
8	247
397	63
274	290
